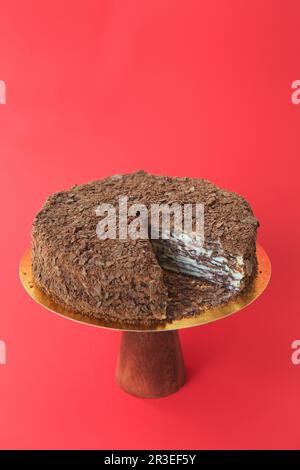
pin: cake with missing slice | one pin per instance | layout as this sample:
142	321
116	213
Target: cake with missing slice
143	281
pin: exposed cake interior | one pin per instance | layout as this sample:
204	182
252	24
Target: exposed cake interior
186	254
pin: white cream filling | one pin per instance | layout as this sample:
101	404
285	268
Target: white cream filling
216	265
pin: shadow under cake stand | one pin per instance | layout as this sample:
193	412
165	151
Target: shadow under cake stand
150	362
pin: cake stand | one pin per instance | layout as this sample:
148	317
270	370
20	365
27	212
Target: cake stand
150	362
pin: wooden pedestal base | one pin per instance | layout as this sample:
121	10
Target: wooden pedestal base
150	365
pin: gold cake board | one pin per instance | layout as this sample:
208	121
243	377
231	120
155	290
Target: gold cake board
151	365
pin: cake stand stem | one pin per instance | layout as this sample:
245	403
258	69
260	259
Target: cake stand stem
150	364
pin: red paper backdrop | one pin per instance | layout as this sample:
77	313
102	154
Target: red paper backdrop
182	88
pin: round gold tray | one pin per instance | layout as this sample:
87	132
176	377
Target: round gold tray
258	286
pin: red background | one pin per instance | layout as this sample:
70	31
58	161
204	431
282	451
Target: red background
183	88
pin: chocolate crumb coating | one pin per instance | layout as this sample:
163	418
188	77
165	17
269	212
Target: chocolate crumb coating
125	280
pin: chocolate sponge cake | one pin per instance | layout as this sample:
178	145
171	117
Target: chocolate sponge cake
143	280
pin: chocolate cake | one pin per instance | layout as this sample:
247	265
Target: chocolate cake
147	280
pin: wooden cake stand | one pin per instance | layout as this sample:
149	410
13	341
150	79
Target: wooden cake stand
150	363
